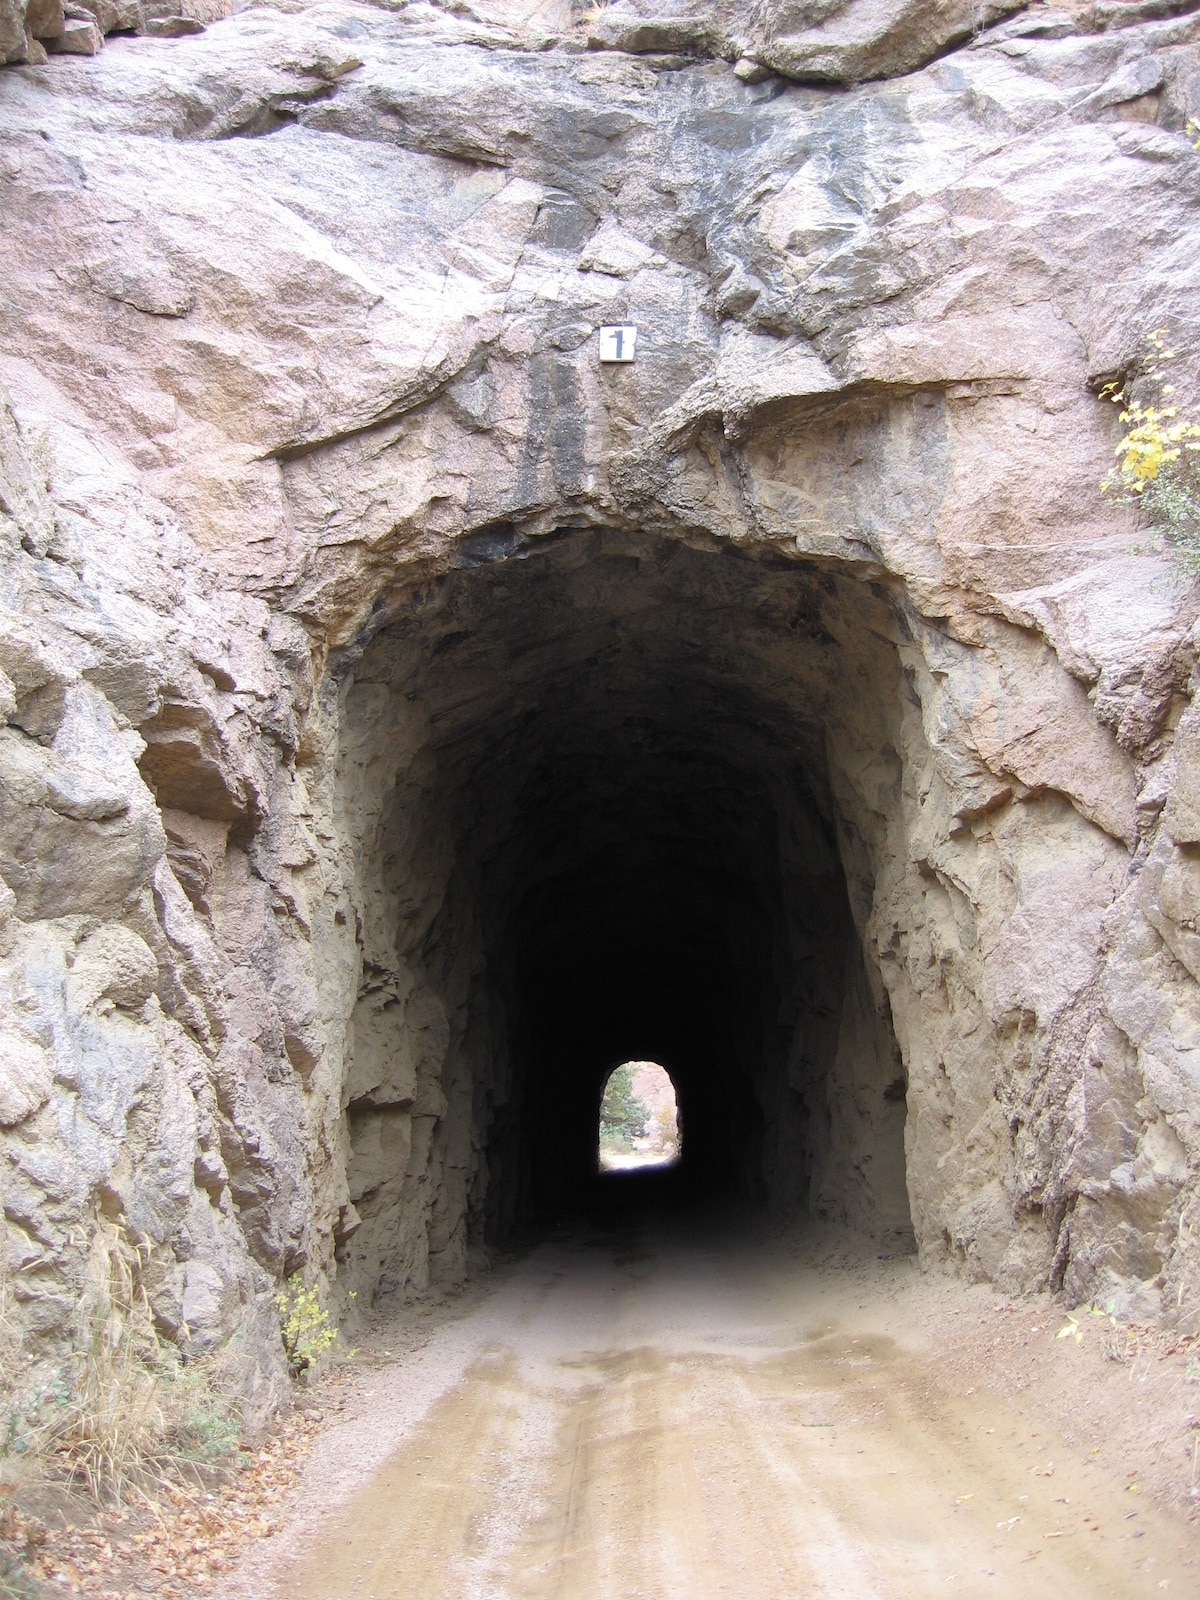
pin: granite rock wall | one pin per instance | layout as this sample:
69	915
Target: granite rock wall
406	714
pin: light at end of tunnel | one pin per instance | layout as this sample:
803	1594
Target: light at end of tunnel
639	1118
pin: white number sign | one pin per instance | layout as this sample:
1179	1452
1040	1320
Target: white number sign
617	344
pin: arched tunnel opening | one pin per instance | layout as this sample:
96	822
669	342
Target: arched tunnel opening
617	798
637	1121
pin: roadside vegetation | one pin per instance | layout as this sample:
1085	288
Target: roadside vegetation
129	1434
305	1326
1158	456
128	1411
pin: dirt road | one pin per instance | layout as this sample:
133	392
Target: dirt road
675	1412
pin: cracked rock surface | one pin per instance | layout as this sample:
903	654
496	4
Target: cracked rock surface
407	716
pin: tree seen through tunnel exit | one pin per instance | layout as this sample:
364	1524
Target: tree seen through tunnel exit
639	1119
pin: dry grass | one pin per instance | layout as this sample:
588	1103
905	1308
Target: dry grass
126	1422
128	1415
182	1538
163	1494
136	1416
17	1534
110	1424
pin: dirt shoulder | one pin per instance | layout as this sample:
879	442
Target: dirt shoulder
1127	1396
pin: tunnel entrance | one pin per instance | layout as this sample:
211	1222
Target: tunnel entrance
638	1120
616	797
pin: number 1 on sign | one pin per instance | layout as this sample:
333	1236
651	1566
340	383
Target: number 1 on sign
617	343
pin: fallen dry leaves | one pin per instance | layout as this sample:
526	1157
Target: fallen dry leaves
180	1540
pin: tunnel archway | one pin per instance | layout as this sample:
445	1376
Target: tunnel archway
617	798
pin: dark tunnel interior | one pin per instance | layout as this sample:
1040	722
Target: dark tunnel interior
602	793
651	941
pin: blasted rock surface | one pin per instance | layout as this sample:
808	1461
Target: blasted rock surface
843	41
299	319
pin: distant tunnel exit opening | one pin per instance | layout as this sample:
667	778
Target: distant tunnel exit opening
639	1119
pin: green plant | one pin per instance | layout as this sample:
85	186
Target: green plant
307	1330
30	1417
203	1427
1158	456
623	1114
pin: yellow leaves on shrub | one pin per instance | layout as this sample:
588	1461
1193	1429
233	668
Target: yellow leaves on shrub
1155	435
1154	439
308	1333
1158	465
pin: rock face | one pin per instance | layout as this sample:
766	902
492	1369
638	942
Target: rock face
32	29
841	41
408	717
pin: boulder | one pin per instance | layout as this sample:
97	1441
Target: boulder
12	31
79	37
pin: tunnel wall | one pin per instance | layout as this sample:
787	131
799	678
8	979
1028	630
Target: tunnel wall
267	400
